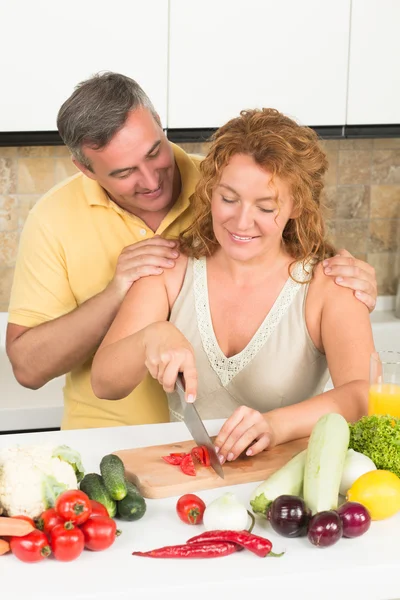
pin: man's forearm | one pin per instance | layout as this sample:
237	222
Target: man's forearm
56	347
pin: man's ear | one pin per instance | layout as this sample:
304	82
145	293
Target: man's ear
84	169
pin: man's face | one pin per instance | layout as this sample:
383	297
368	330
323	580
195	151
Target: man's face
137	166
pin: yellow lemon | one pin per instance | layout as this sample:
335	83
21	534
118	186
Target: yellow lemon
378	491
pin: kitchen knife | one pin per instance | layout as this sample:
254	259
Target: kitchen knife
196	427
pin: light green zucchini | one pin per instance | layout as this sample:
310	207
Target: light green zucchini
326	454
287	480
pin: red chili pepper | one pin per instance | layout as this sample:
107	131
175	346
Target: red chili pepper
255	543
206	550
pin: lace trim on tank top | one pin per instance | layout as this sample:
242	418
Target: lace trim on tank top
227	368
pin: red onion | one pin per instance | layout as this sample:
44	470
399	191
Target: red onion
356	519
325	528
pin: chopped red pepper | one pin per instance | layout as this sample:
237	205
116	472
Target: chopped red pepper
208	550
255	543
187	465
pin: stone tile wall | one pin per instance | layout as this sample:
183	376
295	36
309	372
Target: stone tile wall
362	194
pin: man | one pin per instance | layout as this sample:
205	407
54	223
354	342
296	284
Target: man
87	240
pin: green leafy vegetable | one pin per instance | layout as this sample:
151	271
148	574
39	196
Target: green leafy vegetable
378	437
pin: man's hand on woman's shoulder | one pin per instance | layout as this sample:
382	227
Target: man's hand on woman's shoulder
355	274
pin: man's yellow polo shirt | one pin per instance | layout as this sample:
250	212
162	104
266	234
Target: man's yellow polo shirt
68	252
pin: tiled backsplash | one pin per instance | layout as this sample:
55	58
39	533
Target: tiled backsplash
362	193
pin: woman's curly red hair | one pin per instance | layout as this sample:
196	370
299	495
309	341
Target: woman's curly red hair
287	150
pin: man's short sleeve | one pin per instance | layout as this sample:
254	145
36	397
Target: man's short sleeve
40	290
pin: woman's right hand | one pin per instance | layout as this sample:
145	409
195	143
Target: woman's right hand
169	353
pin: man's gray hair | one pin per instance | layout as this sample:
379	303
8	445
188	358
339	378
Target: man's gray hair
97	109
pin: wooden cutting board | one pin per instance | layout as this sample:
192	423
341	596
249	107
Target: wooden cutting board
156	479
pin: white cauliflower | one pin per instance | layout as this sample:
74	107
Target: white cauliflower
31	477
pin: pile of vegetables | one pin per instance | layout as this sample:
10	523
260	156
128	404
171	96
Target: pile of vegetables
302	498
31	477
225	520
120	497
75	523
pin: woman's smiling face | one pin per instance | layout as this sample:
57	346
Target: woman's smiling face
249	210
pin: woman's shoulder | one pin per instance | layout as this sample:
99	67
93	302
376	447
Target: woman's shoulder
326	287
174	278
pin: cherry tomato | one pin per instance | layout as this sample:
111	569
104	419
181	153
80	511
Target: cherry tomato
67	541
99	532
173	460
73	505
49	519
32	547
187	465
190	509
25	518
98	509
206	457
198	454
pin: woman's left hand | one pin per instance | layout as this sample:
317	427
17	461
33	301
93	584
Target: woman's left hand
246	427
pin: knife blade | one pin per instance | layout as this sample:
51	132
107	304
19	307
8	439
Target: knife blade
197	429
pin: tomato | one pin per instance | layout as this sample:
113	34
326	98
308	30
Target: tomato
49	519
25	518
206	457
73	505
32	547
173	460
98	509
99	532
187	465
67	541
190	509
198	454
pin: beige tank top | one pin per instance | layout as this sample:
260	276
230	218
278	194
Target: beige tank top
280	365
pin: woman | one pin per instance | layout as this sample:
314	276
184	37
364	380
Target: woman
247	314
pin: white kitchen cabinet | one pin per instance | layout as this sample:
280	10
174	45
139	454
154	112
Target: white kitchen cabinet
374	66
228	55
47	47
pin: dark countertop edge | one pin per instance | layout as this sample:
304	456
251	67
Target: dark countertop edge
52	138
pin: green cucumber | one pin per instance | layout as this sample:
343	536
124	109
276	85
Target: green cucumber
133	506
326	454
93	485
286	480
113	472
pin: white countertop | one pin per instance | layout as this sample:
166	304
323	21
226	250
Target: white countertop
365	568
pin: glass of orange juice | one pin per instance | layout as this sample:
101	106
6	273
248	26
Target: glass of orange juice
384	389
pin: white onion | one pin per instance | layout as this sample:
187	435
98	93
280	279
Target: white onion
226	512
355	465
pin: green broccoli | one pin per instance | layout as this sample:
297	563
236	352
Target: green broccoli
378	437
